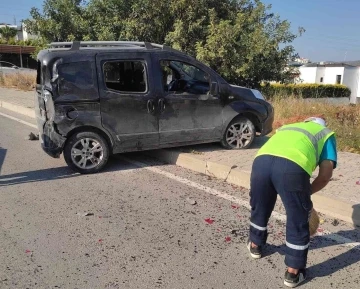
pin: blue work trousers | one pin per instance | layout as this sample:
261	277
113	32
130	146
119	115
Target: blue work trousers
272	176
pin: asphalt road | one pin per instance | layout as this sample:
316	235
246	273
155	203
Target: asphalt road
142	231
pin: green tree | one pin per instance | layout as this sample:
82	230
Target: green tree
105	20
149	20
241	39
7	32
251	48
61	20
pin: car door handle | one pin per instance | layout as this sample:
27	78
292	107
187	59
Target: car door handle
161	104
150	106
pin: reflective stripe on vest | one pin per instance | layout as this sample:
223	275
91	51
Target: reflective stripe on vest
314	139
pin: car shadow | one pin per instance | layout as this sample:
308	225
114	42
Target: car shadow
336	263
50	174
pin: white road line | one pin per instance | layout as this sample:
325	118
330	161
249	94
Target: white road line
18	120
326	234
275	215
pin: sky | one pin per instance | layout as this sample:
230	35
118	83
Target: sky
332	26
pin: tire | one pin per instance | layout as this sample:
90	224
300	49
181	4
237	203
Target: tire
231	141
86	152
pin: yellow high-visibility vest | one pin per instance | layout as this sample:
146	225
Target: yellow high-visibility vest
300	142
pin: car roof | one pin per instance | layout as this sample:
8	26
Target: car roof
105	46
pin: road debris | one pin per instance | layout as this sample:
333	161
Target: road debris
335	222
227	239
86	214
209	221
32	136
191	201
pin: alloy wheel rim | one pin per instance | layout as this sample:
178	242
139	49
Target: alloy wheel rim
239	135
87	153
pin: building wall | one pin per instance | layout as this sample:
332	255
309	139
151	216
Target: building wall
22	34
331	73
320	75
27	35
307	74
351	80
350	76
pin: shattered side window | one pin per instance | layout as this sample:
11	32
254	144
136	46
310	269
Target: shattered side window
125	76
76	79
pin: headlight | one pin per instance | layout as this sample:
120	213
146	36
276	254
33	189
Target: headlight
258	94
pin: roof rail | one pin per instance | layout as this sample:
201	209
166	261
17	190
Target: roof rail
76	45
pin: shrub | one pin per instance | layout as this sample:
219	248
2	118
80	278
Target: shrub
305	90
343	119
20	80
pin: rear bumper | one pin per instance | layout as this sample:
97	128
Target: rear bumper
51	142
267	125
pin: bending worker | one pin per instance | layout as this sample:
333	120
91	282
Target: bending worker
284	166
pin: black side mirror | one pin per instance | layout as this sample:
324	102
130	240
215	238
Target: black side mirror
214	88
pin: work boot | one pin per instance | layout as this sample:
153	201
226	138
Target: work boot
292	280
255	252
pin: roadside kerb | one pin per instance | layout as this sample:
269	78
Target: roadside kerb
232	175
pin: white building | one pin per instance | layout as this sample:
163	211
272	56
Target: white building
347	73
22	34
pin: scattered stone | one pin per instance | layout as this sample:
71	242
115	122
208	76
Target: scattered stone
335	222
191	201
33	136
86	214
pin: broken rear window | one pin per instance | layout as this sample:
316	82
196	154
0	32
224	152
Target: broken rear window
76	80
125	76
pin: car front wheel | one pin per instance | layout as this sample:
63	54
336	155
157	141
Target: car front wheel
86	152
239	134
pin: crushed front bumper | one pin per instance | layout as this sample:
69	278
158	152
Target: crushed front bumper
267	124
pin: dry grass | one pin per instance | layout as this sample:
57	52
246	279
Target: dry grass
20	80
343	119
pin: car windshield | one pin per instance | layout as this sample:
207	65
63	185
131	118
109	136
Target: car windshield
189	70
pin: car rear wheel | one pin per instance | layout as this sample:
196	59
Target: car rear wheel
86	152
239	134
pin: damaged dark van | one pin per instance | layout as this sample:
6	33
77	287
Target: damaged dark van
95	99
